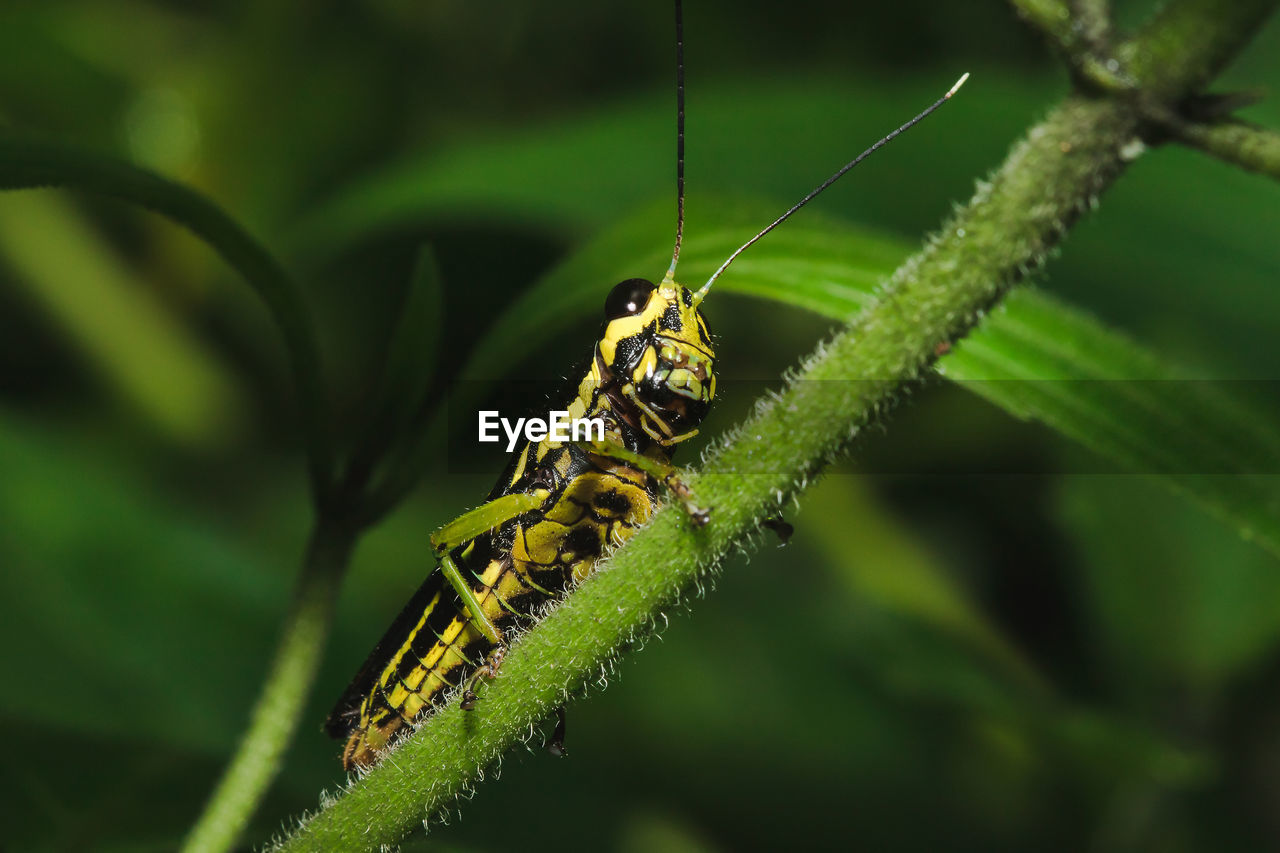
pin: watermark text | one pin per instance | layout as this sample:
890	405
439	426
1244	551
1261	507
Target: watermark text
558	427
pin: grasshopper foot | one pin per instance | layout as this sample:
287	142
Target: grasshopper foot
489	669
555	746
781	527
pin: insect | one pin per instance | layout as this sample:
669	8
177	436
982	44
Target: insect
560	505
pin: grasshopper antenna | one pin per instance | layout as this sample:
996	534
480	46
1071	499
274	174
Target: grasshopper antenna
702	292
675	255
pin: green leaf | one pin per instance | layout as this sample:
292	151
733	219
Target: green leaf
893	570
1178	603
31	164
585	171
1040	359
136	621
412	355
414	350
125	336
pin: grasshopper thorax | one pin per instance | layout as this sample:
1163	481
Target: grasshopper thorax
655	358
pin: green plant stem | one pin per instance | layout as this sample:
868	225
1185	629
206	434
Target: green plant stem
1055	173
1052	17
1093	17
1247	146
1077	32
284	695
30	164
1188	42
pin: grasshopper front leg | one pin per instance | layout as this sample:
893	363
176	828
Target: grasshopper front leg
463	529
663	472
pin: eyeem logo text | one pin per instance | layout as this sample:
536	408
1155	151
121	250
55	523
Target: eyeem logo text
559	427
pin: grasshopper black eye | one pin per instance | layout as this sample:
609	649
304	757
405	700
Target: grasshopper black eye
627	298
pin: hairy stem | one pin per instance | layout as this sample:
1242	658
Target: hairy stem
1188	42
29	164
1078	31
1054	174
1052	17
284	694
1245	145
1093	17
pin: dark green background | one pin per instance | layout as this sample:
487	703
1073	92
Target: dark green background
991	641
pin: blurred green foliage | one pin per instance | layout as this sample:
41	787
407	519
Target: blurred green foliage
979	636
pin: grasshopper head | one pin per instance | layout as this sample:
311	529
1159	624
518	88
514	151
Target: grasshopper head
657	352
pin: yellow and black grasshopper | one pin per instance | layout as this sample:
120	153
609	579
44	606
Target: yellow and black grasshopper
560	506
